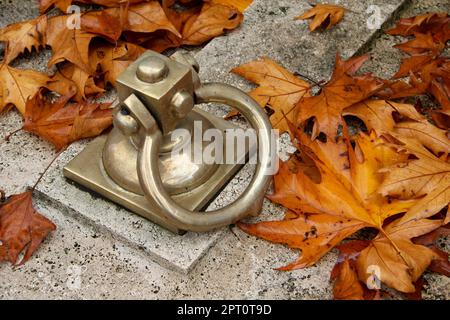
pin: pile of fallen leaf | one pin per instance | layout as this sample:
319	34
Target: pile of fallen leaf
390	179
89	51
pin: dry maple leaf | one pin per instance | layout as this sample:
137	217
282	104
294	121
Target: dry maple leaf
426	178
433	77
148	17
68	44
394	259
107	23
61	123
23	35
211	22
343	202
17	85
21	228
278	89
343	90
423	49
400	120
326	15
437	24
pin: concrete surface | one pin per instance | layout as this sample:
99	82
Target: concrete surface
102	251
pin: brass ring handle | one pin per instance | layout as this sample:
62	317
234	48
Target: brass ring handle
250	201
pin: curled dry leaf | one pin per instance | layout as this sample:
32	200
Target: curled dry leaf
17	85
343	90
22	228
23	35
278	89
325	15
61	123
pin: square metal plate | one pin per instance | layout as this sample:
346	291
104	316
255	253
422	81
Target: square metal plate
87	169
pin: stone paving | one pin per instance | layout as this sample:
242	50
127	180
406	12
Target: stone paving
103	251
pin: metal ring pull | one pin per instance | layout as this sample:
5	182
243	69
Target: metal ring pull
249	202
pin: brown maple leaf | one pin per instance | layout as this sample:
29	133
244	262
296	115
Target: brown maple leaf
211	22
108	23
433	77
22	228
343	90
437	24
325	15
17	85
68	44
423	49
23	35
61	123
148	17
278	89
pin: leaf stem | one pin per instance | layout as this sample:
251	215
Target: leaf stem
12	133
318	84
48	167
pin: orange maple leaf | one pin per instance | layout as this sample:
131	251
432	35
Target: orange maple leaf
326	15
343	90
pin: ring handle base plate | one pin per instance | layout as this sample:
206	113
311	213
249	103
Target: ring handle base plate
87	170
